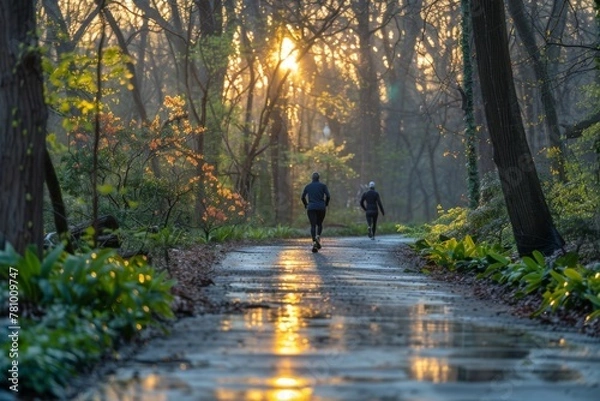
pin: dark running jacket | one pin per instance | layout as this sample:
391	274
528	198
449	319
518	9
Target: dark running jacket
369	202
317	194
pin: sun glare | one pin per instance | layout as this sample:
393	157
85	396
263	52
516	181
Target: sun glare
287	54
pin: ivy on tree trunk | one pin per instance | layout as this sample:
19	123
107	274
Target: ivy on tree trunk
470	128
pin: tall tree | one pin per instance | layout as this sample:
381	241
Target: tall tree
369	101
540	63
529	214
402	104
467	93
23	119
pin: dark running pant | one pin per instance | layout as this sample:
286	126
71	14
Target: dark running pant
372	221
316	218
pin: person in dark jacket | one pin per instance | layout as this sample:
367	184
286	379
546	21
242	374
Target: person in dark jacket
370	202
315	198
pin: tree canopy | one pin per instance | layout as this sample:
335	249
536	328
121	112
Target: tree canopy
143	96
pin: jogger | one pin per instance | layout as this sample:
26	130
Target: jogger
315	198
370	202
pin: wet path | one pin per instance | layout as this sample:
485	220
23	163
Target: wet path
348	323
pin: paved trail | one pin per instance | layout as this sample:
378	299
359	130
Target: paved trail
349	323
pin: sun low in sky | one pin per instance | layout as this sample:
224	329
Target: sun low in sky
288	55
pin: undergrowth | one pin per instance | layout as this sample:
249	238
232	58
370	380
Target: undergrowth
562	283
76	309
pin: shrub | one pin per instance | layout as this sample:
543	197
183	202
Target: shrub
220	206
456	254
489	220
77	308
562	283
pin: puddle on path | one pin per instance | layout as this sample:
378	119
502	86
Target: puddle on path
339	325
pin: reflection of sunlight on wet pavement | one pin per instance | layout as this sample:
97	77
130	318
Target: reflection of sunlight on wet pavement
430	369
348	324
277	389
428	333
286	322
288	340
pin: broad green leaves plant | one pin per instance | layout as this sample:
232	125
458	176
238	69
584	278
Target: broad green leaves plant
456	254
563	283
77	308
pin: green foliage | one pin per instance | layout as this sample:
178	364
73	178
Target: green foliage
58	346
76	308
251	232
149	177
459	255
451	222
145	179
32	274
572	285
257	233
576	201
530	271
563	283
413	231
332	161
71	83
489	220
156	242
283	232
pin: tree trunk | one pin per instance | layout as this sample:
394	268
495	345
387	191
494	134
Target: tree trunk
280	170
525	30
58	206
369	103
467	92
23	117
402	103
529	215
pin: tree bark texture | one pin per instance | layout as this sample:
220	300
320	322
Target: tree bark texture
23	117
529	214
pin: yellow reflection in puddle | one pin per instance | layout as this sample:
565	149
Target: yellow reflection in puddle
435	370
287	322
291	393
288	339
429	334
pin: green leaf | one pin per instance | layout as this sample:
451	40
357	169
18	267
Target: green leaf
105	189
559	279
539	258
531	264
499	258
50	260
595	300
570	259
573	274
